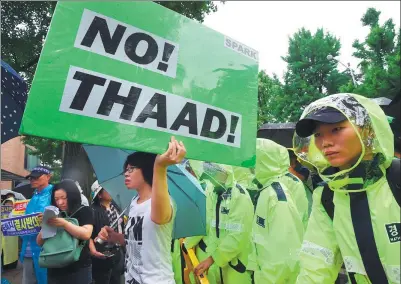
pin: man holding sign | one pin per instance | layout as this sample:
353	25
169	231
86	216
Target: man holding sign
32	273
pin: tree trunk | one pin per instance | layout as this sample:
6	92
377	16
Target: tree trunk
76	166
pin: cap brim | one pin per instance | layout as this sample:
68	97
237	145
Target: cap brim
34	174
305	127
97	192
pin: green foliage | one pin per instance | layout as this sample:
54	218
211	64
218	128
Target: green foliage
196	10
380	58
48	151
309	75
270	91
24	27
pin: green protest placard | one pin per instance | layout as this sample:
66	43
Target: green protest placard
131	74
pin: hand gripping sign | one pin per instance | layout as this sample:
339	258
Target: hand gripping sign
131	74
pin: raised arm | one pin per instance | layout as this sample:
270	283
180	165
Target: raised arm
161	208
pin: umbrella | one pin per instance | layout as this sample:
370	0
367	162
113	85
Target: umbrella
17	195
13	100
281	133
25	189
185	190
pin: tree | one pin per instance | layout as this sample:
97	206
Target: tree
309	75
196	10
270	90
48	151
24	26
380	58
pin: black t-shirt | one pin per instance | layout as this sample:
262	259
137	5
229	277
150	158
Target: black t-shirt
84	217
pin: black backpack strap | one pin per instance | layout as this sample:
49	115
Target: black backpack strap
365	239
327	200
393	179
76	211
279	191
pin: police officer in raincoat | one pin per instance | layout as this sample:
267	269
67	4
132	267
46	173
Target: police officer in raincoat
245	177
277	226
223	252
292	182
355	217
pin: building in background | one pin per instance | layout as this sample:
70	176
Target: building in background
15	163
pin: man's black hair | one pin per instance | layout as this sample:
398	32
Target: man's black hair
143	161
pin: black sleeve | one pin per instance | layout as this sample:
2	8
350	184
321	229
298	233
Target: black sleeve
100	220
85	216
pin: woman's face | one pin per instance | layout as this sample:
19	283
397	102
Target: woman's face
133	177
60	197
104	195
339	143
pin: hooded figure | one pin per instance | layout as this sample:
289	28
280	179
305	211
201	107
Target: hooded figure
245	177
228	226
279	163
277	226
9	244
349	141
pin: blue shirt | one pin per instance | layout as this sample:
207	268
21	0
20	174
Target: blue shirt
37	204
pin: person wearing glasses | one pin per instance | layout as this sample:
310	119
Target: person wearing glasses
148	233
29	256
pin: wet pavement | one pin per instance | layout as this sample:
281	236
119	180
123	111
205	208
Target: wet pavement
14	276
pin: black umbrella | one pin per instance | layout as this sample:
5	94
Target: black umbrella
281	133
25	189
13	100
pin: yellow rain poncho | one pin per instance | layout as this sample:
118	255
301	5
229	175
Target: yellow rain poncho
364	231
228	225
277	226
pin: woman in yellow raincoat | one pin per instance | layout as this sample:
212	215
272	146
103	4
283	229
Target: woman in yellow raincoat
9	245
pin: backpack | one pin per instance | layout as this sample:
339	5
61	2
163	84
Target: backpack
62	249
393	179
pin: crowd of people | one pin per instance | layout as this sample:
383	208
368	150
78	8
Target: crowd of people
298	216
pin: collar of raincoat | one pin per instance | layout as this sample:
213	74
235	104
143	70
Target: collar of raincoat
374	133
245	177
212	172
272	161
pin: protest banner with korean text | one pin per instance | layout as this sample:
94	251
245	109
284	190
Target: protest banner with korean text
131	74
20	207
21	225
5	211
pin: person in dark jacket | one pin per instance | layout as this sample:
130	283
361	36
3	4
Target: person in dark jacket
107	260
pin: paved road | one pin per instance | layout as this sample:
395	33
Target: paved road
14	275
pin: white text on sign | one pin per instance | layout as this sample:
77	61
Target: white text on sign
241	48
97	95
108	37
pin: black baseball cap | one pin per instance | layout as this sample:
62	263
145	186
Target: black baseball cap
306	126
38	171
